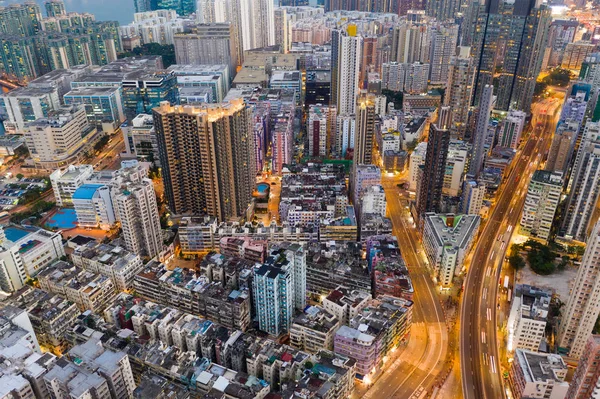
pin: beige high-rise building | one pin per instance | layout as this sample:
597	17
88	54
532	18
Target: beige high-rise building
208	44
459	90
583	306
365	129
561	150
207	157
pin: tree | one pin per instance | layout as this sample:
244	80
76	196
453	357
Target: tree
101	143
20	176
540	88
540	258
558	77
395	97
514	259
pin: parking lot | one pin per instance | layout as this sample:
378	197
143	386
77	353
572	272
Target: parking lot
12	189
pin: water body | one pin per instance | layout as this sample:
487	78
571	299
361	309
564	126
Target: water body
104	10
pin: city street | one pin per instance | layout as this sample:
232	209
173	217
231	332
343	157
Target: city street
480	363
422	361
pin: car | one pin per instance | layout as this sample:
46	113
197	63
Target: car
273	183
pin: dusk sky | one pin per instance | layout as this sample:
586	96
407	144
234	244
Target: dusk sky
121	10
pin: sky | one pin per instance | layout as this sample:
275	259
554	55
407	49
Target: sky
104	10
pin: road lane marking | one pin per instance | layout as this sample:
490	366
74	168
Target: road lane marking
489	314
492	255
484	292
483	337
493	364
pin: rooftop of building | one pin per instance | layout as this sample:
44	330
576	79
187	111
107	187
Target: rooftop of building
92	91
78	380
342	296
57	118
29	91
316	318
452	230
41	305
86	191
189	69
541	367
257	95
547	177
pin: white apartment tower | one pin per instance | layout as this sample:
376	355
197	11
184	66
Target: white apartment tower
583	306
543	196
512	127
393	75
472	197
481	129
134	200
584	191
346	52
443	46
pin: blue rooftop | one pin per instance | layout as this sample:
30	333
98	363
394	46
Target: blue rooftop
86	192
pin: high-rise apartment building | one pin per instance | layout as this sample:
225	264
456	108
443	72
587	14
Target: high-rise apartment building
207	157
523	26
586	380
459	90
527	320
134	201
279	287
416	78
255	23
444	38
55	8
365	129
410	43
392	77
208	44
512	127
585	187
346	49
434	169
320	130
443	10
561	150
583	306
481	130
543	196
472	197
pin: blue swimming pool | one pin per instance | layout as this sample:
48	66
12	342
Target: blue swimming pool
63	219
14	233
262	188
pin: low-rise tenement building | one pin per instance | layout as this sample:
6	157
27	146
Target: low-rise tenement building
23	367
373	224
374	332
345	304
198	236
24	252
388	269
586	380
538	375
111	365
228	270
312	192
110	260
313	330
185	290
526	324
543	196
343	228
51	316
89	290
333	264
447	240
244	247
331	376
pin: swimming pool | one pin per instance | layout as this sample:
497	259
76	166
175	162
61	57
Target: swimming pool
262	188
